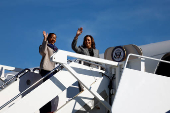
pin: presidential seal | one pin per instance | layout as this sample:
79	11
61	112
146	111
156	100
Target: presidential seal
118	54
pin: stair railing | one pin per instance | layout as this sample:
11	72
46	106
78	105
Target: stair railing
61	57
18	75
7	103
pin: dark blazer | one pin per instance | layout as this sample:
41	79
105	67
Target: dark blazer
83	50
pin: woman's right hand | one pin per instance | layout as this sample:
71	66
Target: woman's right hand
79	31
45	35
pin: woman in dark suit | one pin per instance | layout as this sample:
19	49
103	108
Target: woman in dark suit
88	47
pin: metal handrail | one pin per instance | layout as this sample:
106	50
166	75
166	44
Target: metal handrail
91	63
61	57
94	93
68	60
24	71
29	87
60	67
36	69
144	57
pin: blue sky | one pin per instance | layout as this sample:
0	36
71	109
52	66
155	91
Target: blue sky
110	22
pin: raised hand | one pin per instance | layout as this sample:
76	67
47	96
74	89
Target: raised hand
79	31
45	35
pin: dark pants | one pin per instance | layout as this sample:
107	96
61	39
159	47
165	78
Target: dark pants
44	72
48	107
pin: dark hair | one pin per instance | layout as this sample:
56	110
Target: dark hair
92	41
49	35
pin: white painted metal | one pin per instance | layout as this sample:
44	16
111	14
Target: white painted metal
9	93
63	79
84	98
57	57
88	74
3	76
143	64
38	97
30	103
94	93
145	58
61	57
141	92
17	87
154	50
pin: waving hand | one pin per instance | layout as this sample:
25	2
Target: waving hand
45	35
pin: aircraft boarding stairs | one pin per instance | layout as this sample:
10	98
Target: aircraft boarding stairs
136	91
27	93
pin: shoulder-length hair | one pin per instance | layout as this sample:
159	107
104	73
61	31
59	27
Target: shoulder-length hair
92	41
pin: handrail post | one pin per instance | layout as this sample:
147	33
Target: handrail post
61	57
94	93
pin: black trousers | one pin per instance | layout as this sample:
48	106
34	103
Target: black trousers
48	107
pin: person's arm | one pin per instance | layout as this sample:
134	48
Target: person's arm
43	47
74	42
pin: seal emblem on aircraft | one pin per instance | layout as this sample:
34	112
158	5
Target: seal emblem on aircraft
118	54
